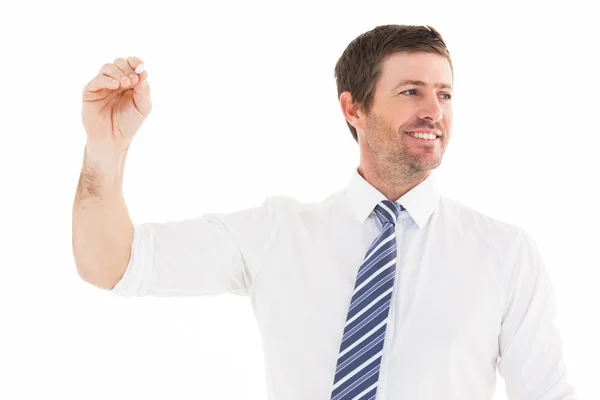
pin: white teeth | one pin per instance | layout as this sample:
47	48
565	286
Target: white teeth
429	136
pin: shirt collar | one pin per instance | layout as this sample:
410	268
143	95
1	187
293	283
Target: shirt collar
420	202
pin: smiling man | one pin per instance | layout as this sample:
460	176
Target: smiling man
470	289
387	289
402	108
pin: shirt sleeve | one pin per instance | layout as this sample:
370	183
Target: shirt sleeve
530	347
208	255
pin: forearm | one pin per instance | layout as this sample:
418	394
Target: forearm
102	229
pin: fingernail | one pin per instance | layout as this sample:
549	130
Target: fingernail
139	69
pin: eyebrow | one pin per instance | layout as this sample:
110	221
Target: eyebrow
420	83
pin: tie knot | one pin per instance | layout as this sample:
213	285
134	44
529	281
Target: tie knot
388	211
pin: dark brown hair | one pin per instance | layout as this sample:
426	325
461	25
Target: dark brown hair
359	67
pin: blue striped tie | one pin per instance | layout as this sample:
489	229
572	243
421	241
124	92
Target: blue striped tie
359	360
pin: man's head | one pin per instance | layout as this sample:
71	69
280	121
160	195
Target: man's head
392	80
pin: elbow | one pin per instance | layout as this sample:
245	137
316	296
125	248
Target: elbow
103	280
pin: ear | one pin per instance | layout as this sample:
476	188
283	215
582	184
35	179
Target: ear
352	112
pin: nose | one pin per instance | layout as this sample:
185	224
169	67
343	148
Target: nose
430	108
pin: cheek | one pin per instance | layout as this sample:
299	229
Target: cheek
448	114
396	120
447	124
403	116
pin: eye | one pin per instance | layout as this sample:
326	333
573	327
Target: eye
409	90
449	96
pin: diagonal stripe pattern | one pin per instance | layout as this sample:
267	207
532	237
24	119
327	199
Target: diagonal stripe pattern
359	359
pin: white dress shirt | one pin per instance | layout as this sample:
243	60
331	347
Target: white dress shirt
471	293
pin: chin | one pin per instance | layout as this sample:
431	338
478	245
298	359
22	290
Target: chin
427	165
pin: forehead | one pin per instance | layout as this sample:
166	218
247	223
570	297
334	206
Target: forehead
427	67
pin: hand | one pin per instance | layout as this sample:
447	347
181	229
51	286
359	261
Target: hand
115	104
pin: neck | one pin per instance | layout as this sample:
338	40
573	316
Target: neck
393	183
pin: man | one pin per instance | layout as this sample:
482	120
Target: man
386	289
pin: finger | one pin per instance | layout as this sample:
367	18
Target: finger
134	63
137	64
141	95
100	82
115	72
142	76
124	66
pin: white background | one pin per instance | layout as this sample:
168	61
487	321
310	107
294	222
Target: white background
244	107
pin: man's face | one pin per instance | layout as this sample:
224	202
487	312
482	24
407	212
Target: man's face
410	96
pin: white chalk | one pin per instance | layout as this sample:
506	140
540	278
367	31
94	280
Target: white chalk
139	69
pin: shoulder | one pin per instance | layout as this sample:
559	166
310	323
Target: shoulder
289	206
487	229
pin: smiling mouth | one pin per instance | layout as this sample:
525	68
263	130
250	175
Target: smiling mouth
426	137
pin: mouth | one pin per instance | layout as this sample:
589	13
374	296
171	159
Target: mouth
423	137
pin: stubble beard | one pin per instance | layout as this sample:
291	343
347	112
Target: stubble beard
391	156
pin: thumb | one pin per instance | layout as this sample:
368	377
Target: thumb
141	95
